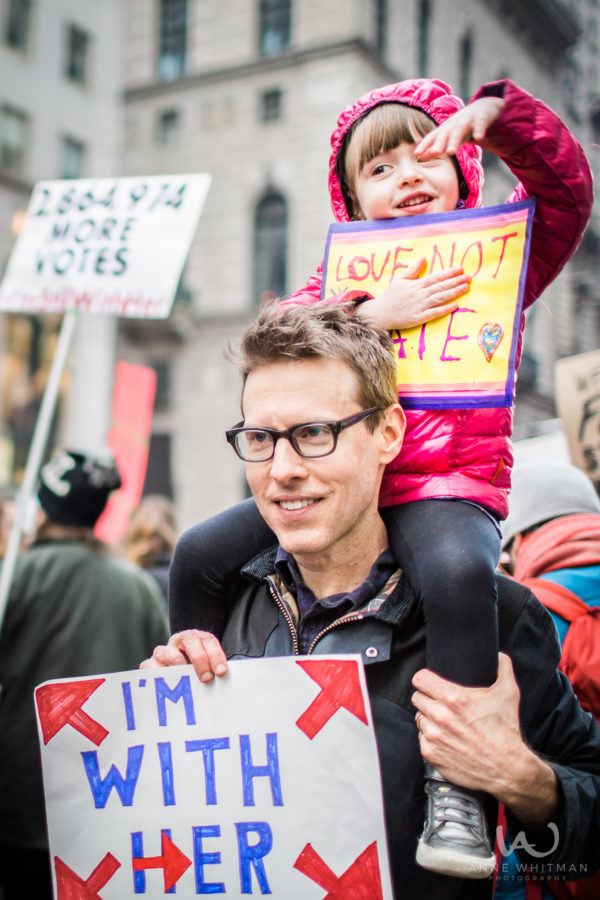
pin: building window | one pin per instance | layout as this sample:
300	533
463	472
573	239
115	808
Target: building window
72	158
381	25
76	54
172	39
270	107
14	127
465	62
270	247
424	24
168	126
17	24
159	478
274	24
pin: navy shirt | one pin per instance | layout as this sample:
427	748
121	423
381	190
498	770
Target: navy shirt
315	615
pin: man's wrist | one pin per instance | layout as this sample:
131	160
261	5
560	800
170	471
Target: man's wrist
531	790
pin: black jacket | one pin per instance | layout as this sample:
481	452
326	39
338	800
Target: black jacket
392	644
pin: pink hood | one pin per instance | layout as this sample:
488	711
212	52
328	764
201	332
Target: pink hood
435	98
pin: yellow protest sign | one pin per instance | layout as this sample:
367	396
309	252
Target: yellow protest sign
466	358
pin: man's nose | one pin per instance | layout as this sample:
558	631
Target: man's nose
286	462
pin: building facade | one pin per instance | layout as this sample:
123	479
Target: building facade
59	118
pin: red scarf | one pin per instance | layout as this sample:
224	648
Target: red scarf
560	544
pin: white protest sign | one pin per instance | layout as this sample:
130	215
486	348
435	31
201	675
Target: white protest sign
112	245
265	781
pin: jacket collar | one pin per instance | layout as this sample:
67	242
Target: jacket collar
398	604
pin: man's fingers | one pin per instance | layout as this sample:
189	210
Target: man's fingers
428	683
200	648
505	667
423	703
203	650
164	655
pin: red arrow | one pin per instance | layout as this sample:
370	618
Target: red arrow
340	683
362	881
70	886
173	861
60	704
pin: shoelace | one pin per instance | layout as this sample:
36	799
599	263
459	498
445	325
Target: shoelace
450	806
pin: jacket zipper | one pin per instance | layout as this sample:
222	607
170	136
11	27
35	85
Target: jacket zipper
286	615
351	617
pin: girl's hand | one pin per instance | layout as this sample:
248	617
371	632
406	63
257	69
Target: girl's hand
469	125
411	300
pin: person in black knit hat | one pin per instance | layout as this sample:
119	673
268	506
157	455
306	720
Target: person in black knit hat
73	610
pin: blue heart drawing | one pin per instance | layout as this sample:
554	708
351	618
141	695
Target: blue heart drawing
489	338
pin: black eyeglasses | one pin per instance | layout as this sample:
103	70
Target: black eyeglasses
310	439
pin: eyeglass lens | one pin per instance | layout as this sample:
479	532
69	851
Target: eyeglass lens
308	440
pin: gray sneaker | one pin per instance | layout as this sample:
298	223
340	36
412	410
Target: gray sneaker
454	839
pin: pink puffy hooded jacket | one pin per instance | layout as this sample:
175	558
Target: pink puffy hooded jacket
466	453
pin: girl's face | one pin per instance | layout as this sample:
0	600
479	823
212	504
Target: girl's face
397	183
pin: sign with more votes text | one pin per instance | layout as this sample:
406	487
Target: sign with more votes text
265	781
466	358
111	245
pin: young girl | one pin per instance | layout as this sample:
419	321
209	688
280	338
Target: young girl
403	150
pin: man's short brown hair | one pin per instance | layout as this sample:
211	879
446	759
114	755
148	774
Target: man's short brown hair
322	331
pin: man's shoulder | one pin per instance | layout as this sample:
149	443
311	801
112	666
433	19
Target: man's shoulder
519	608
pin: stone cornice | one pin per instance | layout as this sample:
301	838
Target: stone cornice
286	60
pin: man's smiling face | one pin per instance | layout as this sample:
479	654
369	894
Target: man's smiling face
325	507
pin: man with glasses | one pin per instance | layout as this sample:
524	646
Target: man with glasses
320	422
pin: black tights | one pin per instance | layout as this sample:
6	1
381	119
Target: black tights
449	550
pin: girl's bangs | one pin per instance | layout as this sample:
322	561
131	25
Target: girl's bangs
385	127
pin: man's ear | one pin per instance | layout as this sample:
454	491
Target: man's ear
392	432
515	546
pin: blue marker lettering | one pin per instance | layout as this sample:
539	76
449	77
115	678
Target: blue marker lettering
166	770
202	859
271	769
251	855
208	748
182	689
124	786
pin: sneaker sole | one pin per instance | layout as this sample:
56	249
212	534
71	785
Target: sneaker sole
448	862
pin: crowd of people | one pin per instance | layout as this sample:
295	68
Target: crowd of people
371	529
69	599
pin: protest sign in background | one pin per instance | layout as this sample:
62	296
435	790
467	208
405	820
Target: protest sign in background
111	245
265	781
466	358
577	391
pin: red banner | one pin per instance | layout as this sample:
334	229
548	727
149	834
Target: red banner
129	439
